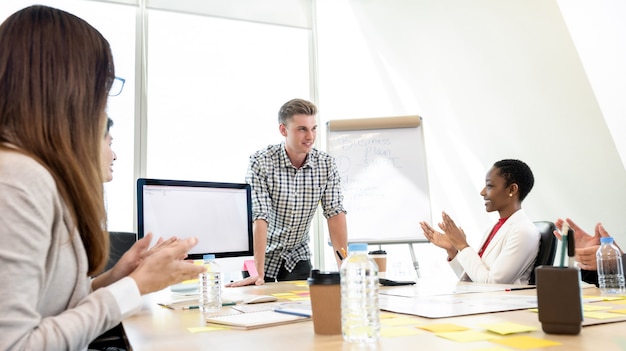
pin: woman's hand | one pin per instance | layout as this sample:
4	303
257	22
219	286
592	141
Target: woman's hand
439	239
138	252
166	266
456	235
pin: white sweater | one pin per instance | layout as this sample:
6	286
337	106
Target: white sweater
46	299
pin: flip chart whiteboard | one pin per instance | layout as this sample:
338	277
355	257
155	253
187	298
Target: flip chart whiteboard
382	163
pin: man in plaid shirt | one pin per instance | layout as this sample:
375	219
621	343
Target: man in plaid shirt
288	182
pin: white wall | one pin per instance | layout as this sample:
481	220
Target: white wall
492	79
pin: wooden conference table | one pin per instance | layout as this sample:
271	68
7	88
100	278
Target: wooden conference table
156	328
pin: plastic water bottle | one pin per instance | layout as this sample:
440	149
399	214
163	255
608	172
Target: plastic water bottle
610	269
360	316
210	286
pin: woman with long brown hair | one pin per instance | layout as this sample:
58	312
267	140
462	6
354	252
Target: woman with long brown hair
56	72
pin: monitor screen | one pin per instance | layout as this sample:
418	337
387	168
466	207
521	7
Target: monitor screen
218	214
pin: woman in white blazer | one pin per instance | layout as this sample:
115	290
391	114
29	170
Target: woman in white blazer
508	251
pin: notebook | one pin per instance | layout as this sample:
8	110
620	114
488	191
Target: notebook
255	320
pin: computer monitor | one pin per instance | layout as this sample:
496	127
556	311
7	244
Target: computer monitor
218	214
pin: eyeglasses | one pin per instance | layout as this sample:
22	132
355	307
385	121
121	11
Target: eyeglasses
118	85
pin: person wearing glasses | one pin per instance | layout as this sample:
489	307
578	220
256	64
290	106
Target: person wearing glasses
289	181
508	251
56	71
108	155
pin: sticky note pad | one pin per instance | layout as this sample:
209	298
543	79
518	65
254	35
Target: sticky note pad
467	336
525	342
601	315
443	327
508	328
400	321
594	307
248	265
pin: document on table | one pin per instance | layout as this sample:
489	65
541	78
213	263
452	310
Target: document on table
441	306
255	320
429	288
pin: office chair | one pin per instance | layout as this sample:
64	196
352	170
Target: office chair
120	243
114	339
547	247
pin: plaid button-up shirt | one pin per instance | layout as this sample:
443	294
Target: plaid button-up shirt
287	197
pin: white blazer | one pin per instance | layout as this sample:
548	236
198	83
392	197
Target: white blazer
508	259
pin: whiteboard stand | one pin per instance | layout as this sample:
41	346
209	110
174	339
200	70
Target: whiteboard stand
384	180
416	264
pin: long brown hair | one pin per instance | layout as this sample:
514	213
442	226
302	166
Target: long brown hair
55	74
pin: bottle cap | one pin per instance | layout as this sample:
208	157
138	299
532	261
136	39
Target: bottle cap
353	247
323	278
208	257
604	240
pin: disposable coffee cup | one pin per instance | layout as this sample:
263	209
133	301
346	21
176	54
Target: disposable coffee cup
380	257
325	293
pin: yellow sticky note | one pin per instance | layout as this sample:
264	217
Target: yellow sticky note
588	307
287	294
612	298
298	298
525	342
467	336
508	328
392	332
443	327
205	329
600	315
495	348
390	322
623	311
385	315
591	298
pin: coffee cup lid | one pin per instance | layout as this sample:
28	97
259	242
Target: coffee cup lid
323	278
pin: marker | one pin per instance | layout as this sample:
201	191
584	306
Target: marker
564	232
343	251
571	248
339	255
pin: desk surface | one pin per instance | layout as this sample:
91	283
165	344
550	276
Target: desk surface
156	328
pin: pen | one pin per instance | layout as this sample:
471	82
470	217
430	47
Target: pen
180	307
230	303
339	255
294	313
520	288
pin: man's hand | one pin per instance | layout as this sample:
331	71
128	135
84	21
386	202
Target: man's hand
247	281
586	244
